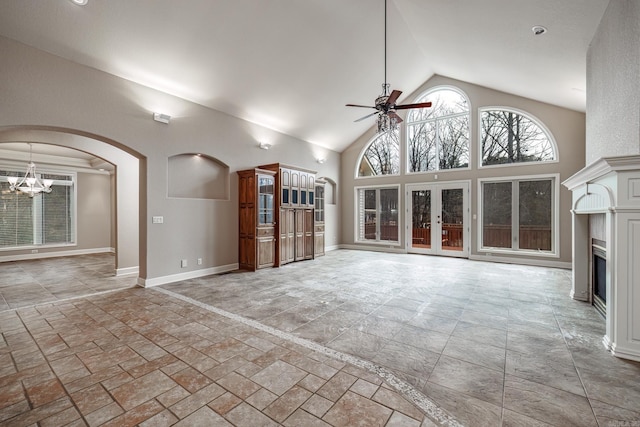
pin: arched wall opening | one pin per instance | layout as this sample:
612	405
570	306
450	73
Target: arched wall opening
130	186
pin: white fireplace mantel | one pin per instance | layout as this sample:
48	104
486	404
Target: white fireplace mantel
611	186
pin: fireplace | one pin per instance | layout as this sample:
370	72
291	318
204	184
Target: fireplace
599	277
606	247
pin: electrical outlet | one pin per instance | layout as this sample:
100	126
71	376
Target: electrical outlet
183	263
34	251
199	261
157	220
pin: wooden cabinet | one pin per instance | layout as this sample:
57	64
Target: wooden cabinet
257	219
284	227
319	218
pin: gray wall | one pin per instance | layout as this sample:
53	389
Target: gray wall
40	89
613	83
567	127
94	211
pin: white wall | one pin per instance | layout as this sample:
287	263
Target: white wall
39	89
613	83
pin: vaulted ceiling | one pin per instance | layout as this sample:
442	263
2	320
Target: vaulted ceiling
292	65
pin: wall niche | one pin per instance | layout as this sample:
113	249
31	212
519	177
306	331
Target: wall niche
197	176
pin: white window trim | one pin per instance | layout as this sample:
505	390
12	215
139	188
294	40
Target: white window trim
555	217
74	209
356	237
529	116
468	113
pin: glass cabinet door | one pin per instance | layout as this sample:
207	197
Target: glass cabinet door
319	204
265	199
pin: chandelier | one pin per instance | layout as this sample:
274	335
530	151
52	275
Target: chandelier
30	184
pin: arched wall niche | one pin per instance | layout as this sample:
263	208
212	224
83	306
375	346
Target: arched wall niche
197	176
130	245
329	191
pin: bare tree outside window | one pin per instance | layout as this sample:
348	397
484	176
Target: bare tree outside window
510	137
438	137
382	156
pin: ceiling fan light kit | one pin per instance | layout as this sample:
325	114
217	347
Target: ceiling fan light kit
385	104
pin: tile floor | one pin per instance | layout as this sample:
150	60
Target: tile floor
487	344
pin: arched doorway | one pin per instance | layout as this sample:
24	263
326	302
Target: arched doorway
130	195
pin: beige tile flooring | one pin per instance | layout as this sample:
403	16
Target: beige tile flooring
352	338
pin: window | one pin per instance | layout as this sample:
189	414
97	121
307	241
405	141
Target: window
508	136
382	155
45	219
519	214
438	137
377	214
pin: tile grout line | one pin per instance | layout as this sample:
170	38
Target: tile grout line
406	390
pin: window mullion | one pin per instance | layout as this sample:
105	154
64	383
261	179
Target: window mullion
515	214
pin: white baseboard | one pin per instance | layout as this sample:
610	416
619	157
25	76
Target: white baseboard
523	261
386	248
332	248
163	280
128	271
40	255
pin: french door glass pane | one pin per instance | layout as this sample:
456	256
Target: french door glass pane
535	215
421	218
370	214
452	219
496	215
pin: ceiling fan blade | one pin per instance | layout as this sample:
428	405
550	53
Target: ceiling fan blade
395	94
417	105
394	115
365	117
356	105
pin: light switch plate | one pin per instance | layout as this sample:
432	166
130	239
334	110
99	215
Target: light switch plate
157	219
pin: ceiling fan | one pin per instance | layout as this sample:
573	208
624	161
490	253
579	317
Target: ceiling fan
385	103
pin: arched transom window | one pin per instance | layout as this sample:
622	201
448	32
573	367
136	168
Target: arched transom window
509	136
438	137
382	155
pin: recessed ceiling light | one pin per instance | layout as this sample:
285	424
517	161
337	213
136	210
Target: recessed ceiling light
538	30
80	2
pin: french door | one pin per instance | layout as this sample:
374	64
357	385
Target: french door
438	219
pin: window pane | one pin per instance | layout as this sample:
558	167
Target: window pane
496	215
369	214
56	215
453	139
438	137
16	218
382	157
535	215
422	147
389	214
509	137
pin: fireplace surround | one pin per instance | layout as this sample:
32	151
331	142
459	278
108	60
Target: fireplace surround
610	186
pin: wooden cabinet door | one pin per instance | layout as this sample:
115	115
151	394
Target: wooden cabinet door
300	234
287	236
308	234
318	248
266	251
